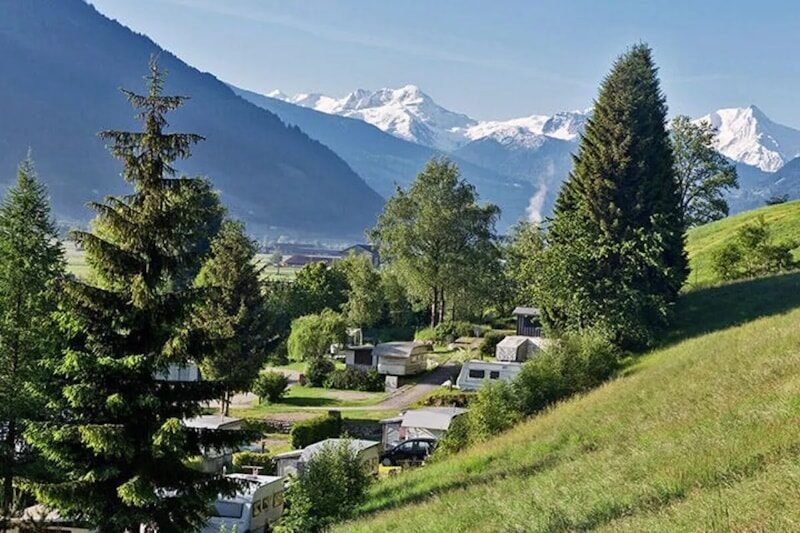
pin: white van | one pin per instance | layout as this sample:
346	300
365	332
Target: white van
257	505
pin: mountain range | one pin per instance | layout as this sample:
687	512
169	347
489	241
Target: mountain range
303	166
63	64
537	149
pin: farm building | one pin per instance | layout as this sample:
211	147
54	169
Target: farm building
299	260
429	422
528	321
402	358
291	462
364	249
214	460
474	372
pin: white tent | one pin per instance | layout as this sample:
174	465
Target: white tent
513	348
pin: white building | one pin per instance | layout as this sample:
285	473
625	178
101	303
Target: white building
289	463
428	422
402	358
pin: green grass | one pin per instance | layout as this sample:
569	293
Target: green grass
299	398
701	434
76	264
703	241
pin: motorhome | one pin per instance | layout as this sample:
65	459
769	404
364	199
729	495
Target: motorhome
256	506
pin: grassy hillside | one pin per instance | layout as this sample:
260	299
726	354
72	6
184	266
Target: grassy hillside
700	434
784	219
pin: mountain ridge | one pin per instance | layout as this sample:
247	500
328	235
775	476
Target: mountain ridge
64	63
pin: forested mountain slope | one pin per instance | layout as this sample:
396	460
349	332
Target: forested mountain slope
63	64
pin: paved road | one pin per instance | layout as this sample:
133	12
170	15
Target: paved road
405	396
400	399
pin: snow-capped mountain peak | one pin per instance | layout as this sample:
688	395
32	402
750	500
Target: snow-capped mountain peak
409	113
748	136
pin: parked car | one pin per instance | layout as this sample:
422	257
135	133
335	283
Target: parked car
408	452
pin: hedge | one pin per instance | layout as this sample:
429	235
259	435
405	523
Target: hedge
248	458
307	432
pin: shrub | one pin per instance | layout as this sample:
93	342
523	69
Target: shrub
312	335
447	398
327	490
306	432
449	331
355	379
490	342
752	252
540	382
270	385
248	458
318	368
579	361
425	335
491	411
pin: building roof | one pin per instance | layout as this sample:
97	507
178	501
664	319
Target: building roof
479	364
398	349
212	422
431	417
513	341
526	311
248	484
305	454
366	247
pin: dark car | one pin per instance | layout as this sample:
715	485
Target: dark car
408	452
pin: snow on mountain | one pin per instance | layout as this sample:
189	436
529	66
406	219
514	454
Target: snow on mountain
748	136
412	115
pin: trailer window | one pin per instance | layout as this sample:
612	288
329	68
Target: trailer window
477	374
225	509
494	374
277	499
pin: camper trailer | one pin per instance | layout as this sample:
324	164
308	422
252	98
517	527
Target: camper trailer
402	358
290	463
256	506
474	372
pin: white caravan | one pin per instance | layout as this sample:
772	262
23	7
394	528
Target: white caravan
257	505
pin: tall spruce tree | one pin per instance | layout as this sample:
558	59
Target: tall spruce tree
616	250
233	316
31	267
116	433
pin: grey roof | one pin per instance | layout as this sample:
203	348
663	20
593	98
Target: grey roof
431	417
356	446
212	422
513	341
526	311
398	349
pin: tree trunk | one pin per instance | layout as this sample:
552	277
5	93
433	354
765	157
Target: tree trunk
442	306
8	472
435	307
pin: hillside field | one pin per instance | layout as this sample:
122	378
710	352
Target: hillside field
701	434
703	241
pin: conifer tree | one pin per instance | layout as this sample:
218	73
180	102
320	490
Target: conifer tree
31	267
116	433
616	250
233	315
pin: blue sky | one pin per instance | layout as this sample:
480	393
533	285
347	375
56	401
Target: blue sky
489	59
